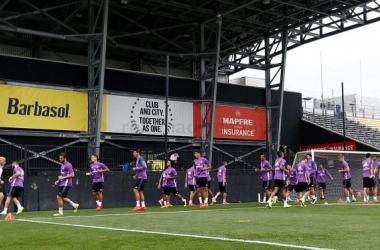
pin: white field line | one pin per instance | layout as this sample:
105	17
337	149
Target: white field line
177	234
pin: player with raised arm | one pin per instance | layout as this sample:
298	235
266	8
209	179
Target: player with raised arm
222	182
65	181
140	178
171	184
312	169
266	176
2	163
96	170
190	183
201	166
321	180
16	188
303	180
345	171
368	176
279	179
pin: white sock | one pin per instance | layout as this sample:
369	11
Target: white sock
143	203
265	199
97	202
206	200
308	197
100	203
60	210
183	200
224	200
216	196
375	198
367	197
348	198
353	196
190	201
137	203
303	197
5	209
164	203
19	207
285	202
200	200
72	204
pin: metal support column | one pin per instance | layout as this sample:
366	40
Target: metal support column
209	101
274	87
96	71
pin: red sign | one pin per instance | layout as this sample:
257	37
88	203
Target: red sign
234	123
339	146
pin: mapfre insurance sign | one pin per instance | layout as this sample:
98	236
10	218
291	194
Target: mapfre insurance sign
234	123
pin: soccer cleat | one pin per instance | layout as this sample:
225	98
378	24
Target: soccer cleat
212	202
365	202
201	205
185	203
142	208
170	205
225	202
287	206
275	200
205	204
269	204
160	201
164	207
353	200
136	209
98	208
191	204
376	201
347	201
76	208
290	199
302	201
313	201
20	210
57	215
3	213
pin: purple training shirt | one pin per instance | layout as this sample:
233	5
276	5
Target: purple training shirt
97	176
265	165
66	169
366	165
278	173
321	175
190	176
222	169
346	175
301	171
18	182
292	177
141	168
171	172
378	168
201	163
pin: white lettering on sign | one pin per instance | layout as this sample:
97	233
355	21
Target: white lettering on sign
236	121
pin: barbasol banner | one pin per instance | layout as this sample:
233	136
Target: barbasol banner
47	109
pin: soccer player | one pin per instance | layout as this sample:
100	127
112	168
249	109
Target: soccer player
303	180
345	171
140	178
96	170
2	163
201	166
266	176
171	184
162	179
15	191
65	182
312	169
321	180
292	181
222	182
209	192
279	179
368	176
190	183
377	168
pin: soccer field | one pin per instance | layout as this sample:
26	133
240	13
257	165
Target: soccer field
233	226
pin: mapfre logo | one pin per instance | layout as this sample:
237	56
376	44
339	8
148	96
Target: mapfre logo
17	108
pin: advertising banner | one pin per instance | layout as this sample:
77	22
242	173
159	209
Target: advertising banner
234	123
350	146
36	108
135	115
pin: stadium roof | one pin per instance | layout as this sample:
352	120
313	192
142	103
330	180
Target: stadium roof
150	29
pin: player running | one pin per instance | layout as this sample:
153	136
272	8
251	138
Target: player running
321	180
140	178
190	183
368	176
163	201
96	170
222	182
266	176
16	189
279	180
65	181
345	171
171	184
201	166
303	180
312	169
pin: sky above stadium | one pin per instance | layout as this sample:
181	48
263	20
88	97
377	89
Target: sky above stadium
341	57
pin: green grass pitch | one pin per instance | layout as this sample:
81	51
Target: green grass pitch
232	226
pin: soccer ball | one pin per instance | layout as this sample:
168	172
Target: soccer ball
326	203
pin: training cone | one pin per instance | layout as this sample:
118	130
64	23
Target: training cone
10	217
297	201
340	201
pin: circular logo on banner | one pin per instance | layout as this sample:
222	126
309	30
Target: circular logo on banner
237	113
148	117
